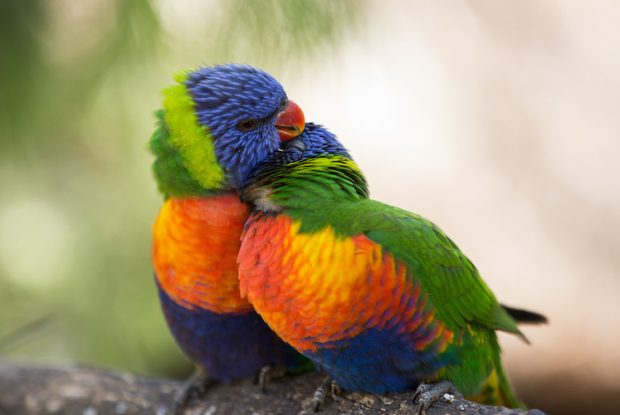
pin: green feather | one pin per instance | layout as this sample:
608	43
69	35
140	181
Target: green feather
173	178
193	141
186	164
332	191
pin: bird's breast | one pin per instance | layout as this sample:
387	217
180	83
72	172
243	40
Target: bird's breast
195	245
316	289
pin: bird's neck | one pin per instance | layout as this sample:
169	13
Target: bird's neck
306	185
173	178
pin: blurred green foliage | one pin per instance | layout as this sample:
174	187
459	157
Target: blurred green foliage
79	82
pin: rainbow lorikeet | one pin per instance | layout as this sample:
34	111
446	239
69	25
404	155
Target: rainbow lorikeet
215	125
378	297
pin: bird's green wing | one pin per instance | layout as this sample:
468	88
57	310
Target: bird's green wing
452	282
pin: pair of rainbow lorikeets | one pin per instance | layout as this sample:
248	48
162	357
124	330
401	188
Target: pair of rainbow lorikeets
268	252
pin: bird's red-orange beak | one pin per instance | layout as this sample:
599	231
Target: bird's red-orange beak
291	122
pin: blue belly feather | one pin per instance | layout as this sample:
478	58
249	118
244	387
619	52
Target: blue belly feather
378	361
228	346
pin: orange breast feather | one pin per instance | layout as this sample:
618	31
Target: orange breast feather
318	288
195	247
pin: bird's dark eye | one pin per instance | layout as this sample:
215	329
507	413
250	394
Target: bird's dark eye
247	125
283	104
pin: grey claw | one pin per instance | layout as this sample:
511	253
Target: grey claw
335	390
422	387
196	385
267	373
264	376
427	394
318	400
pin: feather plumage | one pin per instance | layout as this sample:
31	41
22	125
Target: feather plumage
199	153
377	296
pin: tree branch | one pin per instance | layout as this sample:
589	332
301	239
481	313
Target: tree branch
82	391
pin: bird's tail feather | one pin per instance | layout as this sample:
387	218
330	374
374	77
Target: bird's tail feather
525	316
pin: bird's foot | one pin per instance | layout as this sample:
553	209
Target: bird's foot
267	373
194	387
428	393
318	400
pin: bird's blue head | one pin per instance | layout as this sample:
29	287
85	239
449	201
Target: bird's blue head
307	171
220	122
314	141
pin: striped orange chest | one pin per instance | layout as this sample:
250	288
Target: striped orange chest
195	247
319	288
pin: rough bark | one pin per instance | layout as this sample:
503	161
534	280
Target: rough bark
83	391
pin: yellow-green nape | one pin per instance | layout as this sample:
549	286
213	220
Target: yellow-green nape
181	76
193	141
329	161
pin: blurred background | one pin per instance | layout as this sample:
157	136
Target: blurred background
499	121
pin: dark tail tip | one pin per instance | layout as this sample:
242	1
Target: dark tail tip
525	316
